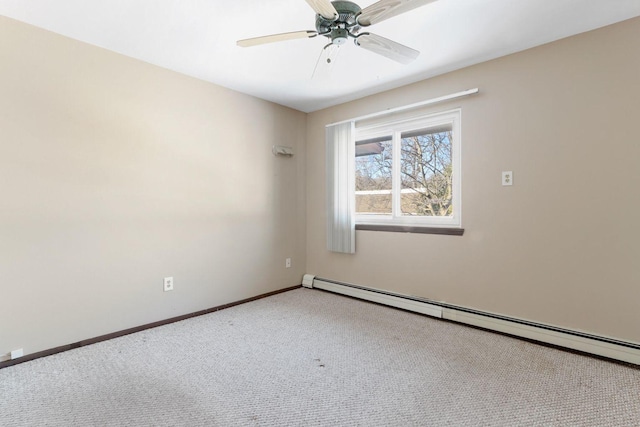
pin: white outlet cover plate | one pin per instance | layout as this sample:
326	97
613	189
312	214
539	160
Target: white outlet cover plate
507	178
168	284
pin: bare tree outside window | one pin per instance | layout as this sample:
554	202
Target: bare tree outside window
425	174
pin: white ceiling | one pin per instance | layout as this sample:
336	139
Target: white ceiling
198	38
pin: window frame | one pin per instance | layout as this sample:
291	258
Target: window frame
394	128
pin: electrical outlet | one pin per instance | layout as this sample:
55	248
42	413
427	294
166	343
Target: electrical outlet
507	178
168	284
17	353
287	263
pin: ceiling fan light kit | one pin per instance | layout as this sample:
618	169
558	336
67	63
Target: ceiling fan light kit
340	20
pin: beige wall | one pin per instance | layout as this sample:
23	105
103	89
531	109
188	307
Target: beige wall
561	246
115	173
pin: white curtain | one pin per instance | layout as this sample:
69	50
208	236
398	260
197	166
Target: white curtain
341	231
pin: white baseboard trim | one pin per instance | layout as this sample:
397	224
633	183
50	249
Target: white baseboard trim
386	299
624	351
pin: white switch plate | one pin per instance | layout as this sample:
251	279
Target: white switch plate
287	263
17	353
168	284
507	178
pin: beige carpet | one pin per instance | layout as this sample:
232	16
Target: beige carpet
310	358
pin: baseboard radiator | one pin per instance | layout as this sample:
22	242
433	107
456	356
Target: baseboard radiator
598	345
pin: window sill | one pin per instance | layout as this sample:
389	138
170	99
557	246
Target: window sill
411	229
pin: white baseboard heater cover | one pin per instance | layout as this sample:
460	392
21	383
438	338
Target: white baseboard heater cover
602	346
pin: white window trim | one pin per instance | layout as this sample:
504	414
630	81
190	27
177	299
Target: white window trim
394	128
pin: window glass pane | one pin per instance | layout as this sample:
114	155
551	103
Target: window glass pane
373	176
426	172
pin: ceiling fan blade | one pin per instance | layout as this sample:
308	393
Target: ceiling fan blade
388	48
276	38
324	8
385	9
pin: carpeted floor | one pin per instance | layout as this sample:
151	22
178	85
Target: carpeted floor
310	358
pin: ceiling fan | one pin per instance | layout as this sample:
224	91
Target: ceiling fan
341	20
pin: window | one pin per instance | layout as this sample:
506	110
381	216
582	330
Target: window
407	173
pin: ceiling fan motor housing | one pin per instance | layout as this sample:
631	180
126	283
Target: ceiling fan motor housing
343	26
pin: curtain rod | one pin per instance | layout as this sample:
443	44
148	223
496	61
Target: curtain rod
410	106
